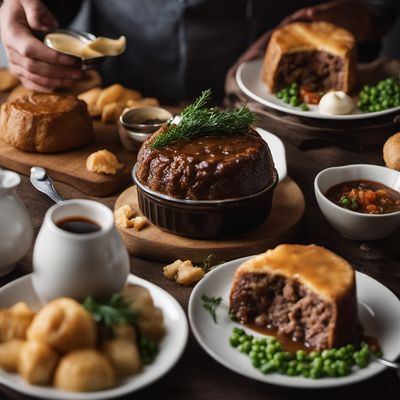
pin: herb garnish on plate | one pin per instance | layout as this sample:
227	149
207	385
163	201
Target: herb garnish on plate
197	120
113	311
211	304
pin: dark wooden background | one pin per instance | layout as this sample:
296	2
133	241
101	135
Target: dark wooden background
197	376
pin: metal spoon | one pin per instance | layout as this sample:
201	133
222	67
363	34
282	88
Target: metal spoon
387	363
42	182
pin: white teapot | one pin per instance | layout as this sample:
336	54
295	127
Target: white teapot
16	230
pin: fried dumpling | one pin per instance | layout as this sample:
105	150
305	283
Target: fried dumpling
123	354
14	322
37	362
64	325
9	353
84	371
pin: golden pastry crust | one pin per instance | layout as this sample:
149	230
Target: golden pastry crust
305	37
306	292
45	123
315	267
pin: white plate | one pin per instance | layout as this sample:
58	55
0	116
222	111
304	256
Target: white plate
171	346
379	312
248	78
278	151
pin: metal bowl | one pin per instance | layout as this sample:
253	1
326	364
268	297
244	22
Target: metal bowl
84	37
205	219
134	128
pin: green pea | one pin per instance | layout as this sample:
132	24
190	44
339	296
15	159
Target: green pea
294	101
313	355
306	373
234	341
350	348
292	363
279	356
238	331
267	368
256	363
253	355
245	347
263	342
304	107
300	355
315	374
317	363
300	368
242	339
291	371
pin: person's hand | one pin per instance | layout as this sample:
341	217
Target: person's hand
350	15
38	67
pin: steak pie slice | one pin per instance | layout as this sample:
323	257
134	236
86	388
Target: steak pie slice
320	55
305	292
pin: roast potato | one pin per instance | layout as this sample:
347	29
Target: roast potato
123	354
14	322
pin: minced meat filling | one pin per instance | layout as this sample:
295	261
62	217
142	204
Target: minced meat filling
318	70
272	301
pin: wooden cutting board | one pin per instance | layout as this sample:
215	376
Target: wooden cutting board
69	167
281	226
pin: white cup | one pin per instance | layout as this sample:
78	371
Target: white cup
77	265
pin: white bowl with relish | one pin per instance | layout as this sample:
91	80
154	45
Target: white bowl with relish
361	201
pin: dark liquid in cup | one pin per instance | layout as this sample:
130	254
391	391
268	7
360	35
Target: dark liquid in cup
78	225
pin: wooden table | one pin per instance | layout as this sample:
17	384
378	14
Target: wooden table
197	376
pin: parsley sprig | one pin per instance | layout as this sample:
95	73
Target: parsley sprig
110	312
197	120
211	304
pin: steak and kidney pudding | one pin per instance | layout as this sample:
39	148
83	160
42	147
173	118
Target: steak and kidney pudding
209	167
304	292
319	55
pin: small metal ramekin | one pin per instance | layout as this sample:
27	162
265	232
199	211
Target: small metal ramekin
133	128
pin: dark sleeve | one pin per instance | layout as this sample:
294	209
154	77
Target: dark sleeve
64	11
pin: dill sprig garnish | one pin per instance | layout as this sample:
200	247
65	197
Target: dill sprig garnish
197	120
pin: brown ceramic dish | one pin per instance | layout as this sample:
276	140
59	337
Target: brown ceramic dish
205	219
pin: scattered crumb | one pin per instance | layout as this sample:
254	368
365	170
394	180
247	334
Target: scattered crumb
139	223
125	218
183	272
171	270
103	162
